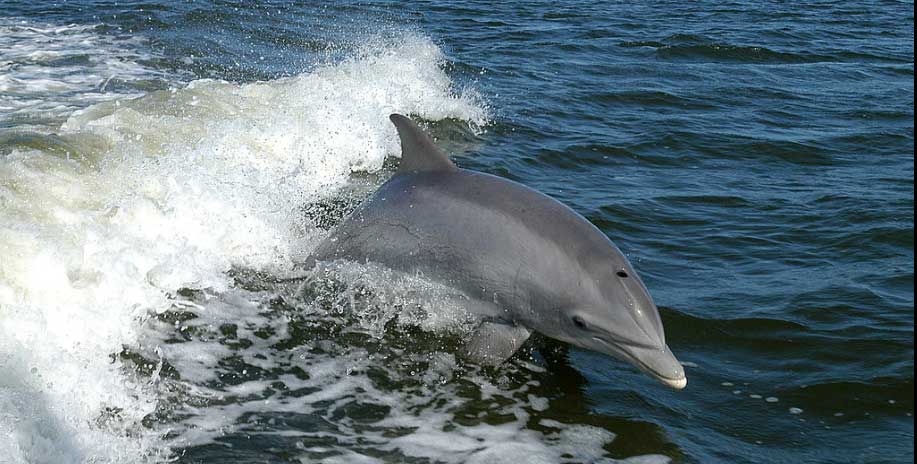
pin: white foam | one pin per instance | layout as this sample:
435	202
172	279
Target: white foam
47	70
167	191
422	411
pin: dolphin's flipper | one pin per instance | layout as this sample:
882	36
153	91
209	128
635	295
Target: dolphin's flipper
418	152
493	342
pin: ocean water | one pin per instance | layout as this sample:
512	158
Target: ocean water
165	165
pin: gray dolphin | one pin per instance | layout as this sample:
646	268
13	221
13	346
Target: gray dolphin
521	260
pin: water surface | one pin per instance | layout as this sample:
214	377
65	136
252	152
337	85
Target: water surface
164	165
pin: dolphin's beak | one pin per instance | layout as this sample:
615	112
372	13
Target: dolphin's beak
658	363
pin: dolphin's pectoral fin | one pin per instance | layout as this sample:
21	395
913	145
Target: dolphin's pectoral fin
492	342
418	152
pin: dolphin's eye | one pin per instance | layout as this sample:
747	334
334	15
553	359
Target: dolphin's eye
579	322
622	274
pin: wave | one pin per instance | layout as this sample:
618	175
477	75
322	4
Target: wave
131	200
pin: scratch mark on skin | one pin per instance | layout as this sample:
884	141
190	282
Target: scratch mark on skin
403	227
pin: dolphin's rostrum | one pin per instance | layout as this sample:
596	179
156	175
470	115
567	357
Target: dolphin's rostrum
521	260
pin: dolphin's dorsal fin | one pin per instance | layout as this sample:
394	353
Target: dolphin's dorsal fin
418	152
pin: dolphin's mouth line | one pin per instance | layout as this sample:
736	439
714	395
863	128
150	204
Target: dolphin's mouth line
672	381
623	342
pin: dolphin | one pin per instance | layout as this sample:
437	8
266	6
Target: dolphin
519	259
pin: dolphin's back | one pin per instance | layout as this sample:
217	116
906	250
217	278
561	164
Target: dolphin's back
489	237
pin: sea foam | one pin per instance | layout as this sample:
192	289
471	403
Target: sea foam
166	191
48	70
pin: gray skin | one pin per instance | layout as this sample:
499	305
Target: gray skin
518	258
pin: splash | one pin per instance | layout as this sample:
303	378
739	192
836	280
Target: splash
134	199
307	371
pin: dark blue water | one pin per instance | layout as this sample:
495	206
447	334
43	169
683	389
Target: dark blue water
754	161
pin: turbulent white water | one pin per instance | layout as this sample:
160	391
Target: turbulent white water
106	217
326	397
47	71
166	191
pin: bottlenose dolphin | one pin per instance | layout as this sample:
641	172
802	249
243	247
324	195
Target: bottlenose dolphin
521	260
